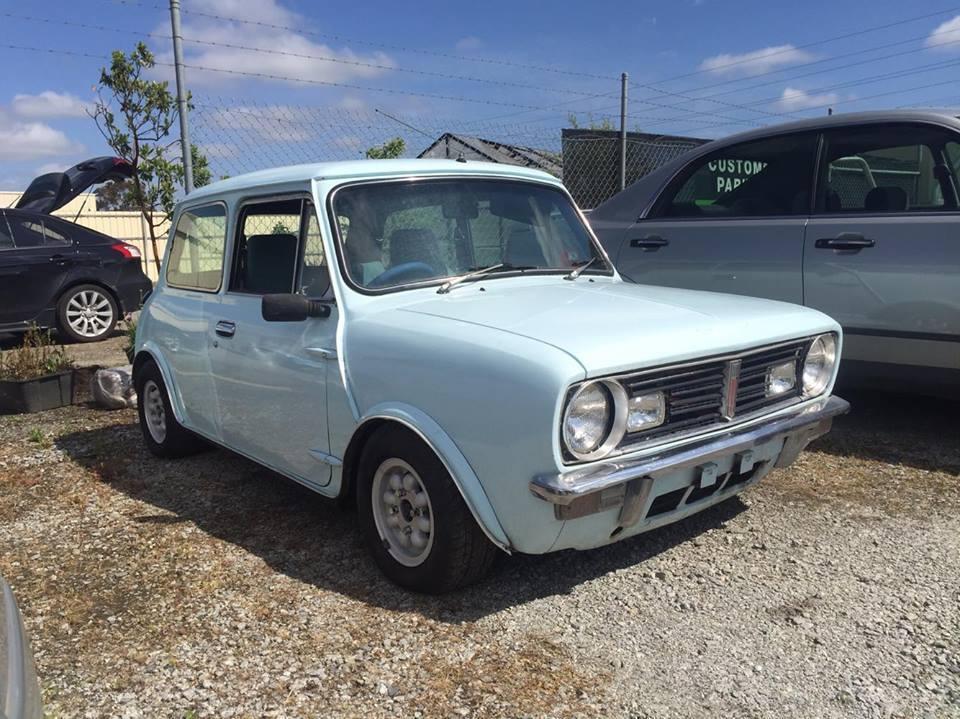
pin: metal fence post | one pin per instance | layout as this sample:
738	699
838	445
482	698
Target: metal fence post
623	130
181	96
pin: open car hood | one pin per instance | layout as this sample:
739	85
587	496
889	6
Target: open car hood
52	191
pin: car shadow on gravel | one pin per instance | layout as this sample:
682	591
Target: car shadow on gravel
316	541
913	430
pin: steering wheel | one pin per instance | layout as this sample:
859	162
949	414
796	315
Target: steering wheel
405	272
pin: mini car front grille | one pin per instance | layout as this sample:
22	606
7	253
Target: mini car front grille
710	393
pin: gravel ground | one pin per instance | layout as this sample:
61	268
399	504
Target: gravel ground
209	587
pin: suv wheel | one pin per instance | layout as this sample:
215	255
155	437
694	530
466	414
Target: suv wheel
417	526
163	434
87	313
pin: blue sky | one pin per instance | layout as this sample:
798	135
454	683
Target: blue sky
698	67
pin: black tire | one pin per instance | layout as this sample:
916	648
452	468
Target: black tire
460	553
176	440
104	302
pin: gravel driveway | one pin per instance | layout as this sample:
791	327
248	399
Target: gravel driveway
209	587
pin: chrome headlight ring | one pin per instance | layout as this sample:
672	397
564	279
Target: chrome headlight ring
609	420
819	364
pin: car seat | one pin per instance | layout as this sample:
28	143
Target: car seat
271	261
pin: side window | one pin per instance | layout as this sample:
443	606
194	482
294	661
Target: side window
6	234
889	169
196	251
314	273
764	178
268	256
27	232
52	236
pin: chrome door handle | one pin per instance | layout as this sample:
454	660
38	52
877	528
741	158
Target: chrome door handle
650	243
845	241
225	329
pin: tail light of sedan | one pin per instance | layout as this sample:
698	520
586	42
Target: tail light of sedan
128	251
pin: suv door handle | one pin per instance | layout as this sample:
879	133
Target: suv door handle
845	241
650	243
61	260
225	329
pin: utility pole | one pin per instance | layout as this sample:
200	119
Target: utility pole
181	96
623	130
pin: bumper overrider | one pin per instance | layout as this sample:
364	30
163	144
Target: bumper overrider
714	469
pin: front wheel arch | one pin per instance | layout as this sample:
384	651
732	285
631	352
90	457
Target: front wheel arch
442	446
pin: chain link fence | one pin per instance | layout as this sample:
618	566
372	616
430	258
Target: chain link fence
243	136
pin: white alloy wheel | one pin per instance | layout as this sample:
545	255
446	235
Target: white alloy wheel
402	512
154	411
89	313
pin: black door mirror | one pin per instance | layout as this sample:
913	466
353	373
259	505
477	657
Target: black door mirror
291	308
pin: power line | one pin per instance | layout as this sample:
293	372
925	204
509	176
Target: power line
382	46
304	56
284	78
815	43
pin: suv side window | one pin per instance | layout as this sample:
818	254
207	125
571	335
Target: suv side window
886	169
764	178
279	249
196	252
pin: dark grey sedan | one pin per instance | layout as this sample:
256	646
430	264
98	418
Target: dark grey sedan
855	215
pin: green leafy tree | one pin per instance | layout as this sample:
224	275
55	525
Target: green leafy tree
135	118
112	196
387	151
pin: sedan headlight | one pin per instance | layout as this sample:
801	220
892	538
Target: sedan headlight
819	364
595	419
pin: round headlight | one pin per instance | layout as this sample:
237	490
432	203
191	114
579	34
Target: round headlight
819	364
595	420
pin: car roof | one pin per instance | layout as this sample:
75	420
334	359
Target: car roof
634	201
368	170
948	117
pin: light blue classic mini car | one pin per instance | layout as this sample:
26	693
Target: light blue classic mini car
447	345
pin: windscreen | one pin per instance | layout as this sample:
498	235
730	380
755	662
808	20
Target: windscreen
394	234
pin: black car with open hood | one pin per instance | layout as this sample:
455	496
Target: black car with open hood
58	274
48	193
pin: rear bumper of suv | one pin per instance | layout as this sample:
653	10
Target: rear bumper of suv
713	469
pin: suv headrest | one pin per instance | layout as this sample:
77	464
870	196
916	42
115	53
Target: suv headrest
886	199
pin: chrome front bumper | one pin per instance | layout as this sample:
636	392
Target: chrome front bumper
629	483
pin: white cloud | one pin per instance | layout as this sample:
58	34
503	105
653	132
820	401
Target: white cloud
32	141
946	36
794	99
297	60
756	62
49	104
470	42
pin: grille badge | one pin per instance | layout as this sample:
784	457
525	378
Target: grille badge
731	383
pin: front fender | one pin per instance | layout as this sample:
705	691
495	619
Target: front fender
456	464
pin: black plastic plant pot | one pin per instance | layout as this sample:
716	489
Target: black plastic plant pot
36	395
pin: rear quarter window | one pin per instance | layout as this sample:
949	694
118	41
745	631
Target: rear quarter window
197	249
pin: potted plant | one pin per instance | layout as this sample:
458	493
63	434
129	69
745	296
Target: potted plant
36	376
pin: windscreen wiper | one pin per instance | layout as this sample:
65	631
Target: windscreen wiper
480	272
578	270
